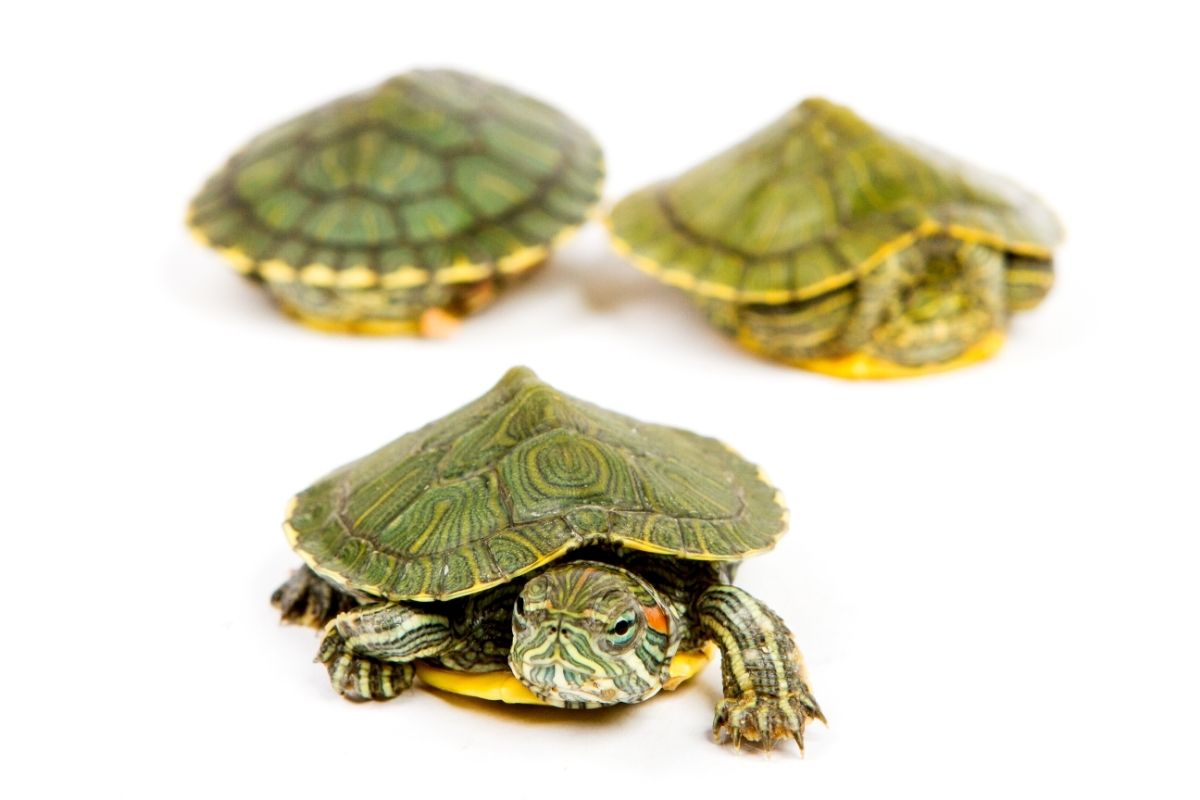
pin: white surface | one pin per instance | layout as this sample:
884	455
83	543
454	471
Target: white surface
992	573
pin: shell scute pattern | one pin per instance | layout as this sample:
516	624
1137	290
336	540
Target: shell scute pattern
514	480
429	172
566	468
809	204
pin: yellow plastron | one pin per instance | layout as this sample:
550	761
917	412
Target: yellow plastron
860	366
362	327
504	686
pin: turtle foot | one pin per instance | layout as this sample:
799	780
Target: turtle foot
764	719
359	678
305	599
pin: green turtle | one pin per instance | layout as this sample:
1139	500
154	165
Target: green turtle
828	244
402	208
532	547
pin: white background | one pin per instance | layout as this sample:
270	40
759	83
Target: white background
993	573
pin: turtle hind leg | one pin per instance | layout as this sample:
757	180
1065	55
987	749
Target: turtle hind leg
762	672
306	599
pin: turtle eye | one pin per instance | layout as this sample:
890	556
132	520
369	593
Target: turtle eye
622	630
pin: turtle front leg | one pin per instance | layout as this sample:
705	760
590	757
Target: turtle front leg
306	599
762	672
368	650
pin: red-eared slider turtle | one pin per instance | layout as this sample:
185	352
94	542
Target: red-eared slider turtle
825	243
400	209
533	547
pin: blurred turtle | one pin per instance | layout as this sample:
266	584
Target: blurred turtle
403	208
828	244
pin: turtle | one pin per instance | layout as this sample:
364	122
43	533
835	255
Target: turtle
402	208
826	243
532	547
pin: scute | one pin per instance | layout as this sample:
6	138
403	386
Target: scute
564	469
429	164
514	480
807	204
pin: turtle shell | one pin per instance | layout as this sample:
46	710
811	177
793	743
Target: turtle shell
516	479
812	202
433	179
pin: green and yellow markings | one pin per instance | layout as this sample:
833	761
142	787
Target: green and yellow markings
361	276
504	687
351	222
319	275
1027	285
689	281
463	272
998	242
293	539
435	219
396	170
678	278
276	271
363	193
359	327
261	178
776	498
490	186
357	277
522	260
240	261
405	278
764	680
1038	277
530	153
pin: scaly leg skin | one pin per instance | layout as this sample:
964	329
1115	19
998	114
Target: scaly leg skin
368	650
306	599
765	685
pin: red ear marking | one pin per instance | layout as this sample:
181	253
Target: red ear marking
656	619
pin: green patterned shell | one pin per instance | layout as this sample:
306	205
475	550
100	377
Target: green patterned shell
517	478
432	177
810	203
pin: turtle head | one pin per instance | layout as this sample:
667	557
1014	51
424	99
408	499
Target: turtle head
590	634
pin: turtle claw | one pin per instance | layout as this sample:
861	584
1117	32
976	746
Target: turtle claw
359	678
305	599
765	719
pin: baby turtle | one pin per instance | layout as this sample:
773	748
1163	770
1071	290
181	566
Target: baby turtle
828	244
534	547
403	208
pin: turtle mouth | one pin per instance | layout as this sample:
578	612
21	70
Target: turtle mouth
562	684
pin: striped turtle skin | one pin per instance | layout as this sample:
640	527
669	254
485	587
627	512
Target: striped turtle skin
581	553
402	208
828	244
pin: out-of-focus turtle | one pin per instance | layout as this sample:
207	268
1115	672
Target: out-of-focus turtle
825	243
531	547
403	208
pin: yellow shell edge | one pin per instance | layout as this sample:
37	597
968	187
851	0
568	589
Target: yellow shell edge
682	279
361	327
860	366
777	498
360	277
504	687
